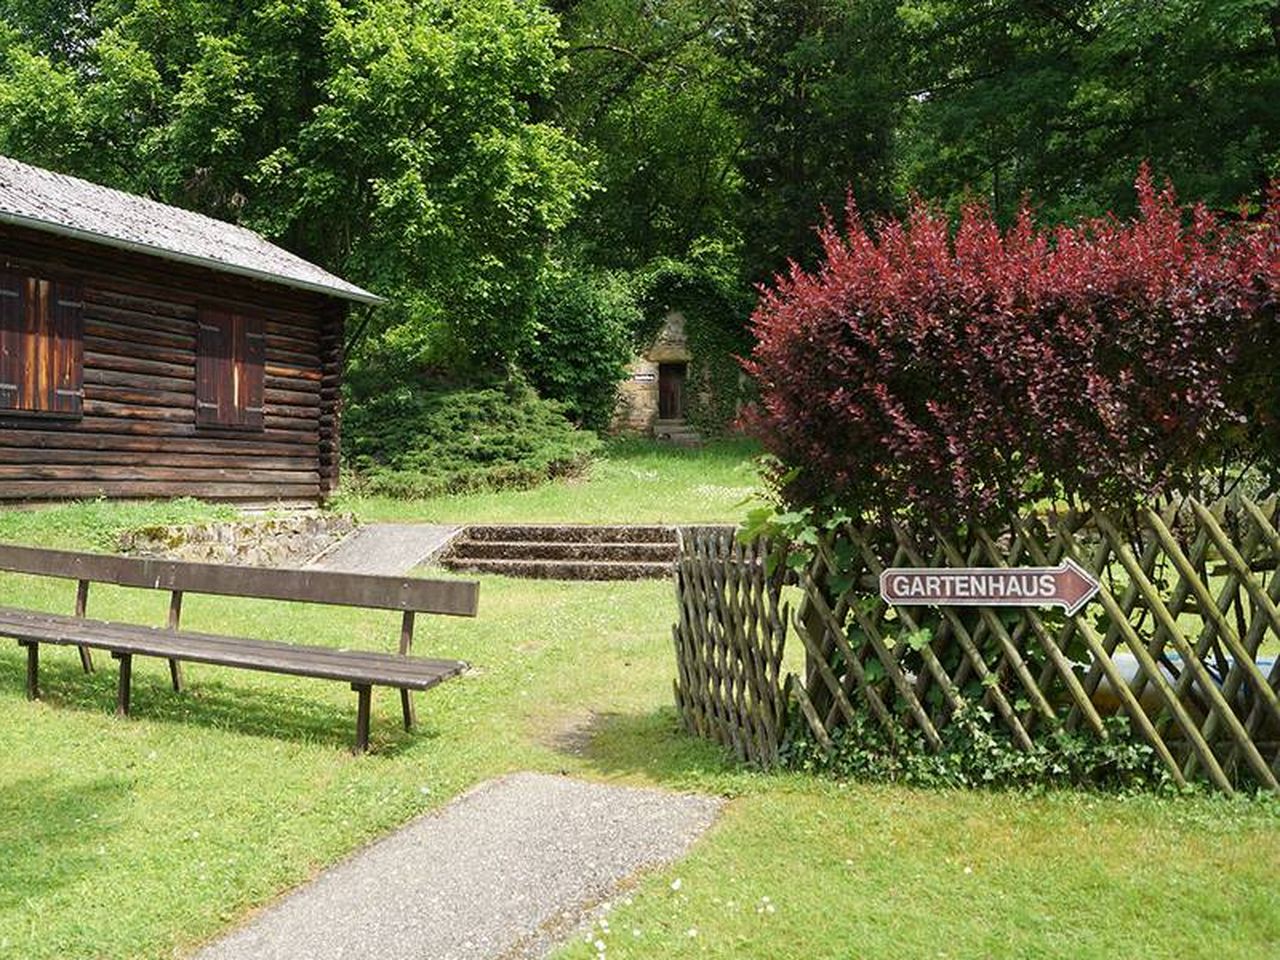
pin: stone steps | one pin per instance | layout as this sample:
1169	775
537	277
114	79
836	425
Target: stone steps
677	432
565	551
534	569
562	550
571	533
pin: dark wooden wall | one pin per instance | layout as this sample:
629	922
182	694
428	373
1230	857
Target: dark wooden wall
138	436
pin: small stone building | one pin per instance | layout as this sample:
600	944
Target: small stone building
653	399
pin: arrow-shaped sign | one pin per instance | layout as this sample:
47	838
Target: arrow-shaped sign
1067	585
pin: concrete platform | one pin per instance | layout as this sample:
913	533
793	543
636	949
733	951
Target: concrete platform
387	548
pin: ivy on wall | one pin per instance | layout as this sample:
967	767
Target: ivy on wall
715	307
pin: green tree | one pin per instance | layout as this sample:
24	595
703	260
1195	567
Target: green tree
1065	98
390	140
587	321
649	92
819	102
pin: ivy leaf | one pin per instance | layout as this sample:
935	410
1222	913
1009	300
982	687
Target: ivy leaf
919	639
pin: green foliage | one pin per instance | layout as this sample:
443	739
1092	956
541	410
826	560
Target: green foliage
441	152
394	142
582	341
820	103
420	439
974	753
446	187
1067	99
713	118
650	93
707	289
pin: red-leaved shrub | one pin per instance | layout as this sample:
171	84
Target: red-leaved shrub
963	374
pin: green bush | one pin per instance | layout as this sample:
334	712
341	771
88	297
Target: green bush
424	439
973	755
582	342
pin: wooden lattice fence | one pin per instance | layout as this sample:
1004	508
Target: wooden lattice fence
1181	639
729	644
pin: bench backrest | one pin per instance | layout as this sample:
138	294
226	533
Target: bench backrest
411	594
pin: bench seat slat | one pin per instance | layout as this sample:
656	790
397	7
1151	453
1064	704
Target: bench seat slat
64	630
359	667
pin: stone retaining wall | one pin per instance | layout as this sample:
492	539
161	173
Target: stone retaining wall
286	541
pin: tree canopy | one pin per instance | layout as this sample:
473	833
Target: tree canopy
464	157
393	141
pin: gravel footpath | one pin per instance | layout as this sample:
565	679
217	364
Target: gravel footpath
504	871
386	548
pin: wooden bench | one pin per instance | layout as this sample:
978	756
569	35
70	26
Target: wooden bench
362	669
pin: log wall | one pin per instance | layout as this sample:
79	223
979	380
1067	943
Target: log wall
138	436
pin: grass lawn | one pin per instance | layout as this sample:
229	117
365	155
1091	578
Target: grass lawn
145	837
633	481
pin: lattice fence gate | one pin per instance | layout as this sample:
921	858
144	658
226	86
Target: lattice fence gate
729	642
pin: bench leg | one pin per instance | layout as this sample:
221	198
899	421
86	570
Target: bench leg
364	694
126	678
175	674
406	707
33	669
82	603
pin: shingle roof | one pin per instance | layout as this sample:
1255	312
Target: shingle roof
55	203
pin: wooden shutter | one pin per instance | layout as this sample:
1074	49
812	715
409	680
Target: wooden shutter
252	364
41	345
64	324
11	323
230	357
213	362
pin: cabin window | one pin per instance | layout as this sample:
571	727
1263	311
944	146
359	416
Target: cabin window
41	346
230	355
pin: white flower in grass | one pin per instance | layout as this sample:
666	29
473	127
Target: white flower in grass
692	932
677	883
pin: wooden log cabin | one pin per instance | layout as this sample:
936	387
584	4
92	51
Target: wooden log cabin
148	351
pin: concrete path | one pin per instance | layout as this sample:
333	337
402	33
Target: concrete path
386	548
502	872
